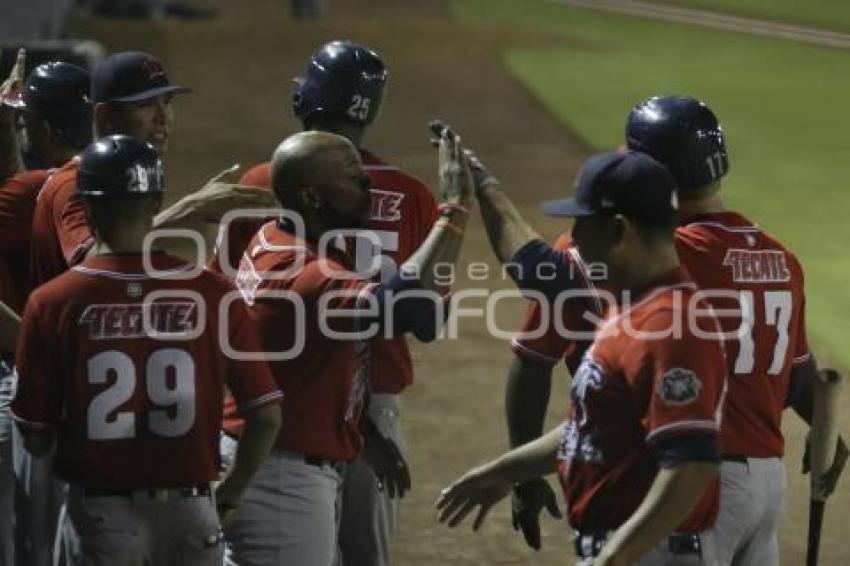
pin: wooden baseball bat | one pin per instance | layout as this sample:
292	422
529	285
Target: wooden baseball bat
822	441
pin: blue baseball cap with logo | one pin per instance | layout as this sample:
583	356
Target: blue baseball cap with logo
131	76
629	183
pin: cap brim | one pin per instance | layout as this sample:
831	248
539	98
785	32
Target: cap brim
139	96
567	207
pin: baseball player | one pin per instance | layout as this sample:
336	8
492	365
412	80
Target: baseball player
120	364
769	362
639	451
54	114
289	512
341	92
132	95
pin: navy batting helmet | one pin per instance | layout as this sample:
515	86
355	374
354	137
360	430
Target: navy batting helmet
118	166
344	80
59	93
683	134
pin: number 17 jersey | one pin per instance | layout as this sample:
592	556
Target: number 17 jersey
745	269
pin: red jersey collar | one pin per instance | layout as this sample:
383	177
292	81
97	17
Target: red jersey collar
130	263
727	218
677	277
280	237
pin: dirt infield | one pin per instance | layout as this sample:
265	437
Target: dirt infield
240	66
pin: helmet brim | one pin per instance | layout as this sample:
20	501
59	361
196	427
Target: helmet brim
151	93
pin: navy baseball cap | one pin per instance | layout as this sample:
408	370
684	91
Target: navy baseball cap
629	183
131	76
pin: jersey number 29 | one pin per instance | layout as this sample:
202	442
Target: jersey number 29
173	398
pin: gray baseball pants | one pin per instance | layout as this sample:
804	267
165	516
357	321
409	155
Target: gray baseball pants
369	515
288	515
752	496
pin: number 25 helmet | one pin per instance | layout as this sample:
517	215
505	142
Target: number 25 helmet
344	80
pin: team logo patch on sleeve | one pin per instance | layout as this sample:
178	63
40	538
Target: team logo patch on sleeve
679	386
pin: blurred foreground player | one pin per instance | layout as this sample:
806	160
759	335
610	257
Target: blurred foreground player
770	367
639	451
120	365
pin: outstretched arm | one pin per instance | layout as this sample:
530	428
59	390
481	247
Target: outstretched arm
442	246
486	485
526	401
507	230
202	211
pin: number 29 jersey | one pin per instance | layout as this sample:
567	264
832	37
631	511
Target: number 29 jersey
764	281
132	382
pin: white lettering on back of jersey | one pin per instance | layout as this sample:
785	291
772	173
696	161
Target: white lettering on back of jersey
111	321
386	205
757	266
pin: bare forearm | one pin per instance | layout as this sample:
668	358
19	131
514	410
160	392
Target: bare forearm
670	499
532	460
507	230
10	323
441	246
801	388
526	400
255	443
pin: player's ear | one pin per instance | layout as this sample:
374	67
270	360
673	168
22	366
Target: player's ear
104	119
311	199
618	228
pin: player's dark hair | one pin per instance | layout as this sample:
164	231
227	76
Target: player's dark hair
111	215
656	231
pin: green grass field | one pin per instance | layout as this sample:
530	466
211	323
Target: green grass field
828	14
782	105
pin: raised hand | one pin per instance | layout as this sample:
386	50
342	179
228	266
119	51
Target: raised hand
456	183
15	80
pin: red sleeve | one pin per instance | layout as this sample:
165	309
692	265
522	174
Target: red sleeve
71	224
257	176
687	377
328	286
38	400
251	382
17	203
564	334
545	349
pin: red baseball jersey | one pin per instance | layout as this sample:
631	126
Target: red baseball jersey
132	382
726	251
547	345
325	378
403	213
60	231
17	204
633	392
